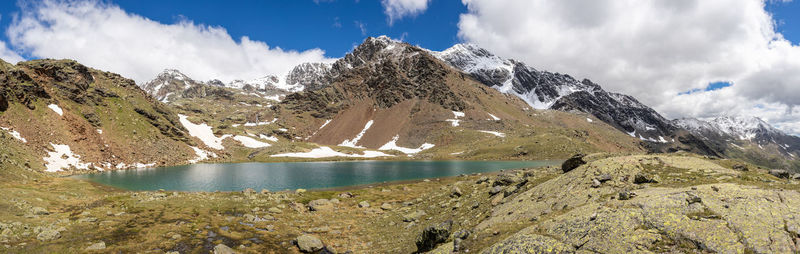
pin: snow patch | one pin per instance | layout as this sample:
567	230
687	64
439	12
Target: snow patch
494	117
353	143
458	114
453	122
326	152
270	138
499	134
250	142
201	155
392	145
589	120
63	158
56	109
15	134
99	131
203	132
325	124
260	123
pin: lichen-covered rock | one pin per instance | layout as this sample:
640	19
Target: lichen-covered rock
320	205
309	243
530	243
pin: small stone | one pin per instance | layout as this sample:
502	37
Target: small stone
510	191
642	178
740	167
97	246
595	183
483	179
345	195
223	249
274	210
693	198
309	243
39	211
495	190
456	192
593	217
497	200
300	191
48	234
626	195
715	188
604	178
363	204
385	190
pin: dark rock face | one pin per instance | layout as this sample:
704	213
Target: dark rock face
780	173
386	71
312	76
433	235
572	163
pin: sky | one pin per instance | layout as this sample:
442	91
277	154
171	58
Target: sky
685	58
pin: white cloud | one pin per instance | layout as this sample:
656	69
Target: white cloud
106	37
8	55
397	9
653	50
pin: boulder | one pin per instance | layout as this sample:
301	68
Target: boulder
320	205
740	167
309	243
780	173
414	216
39	211
433	235
386	206
573	162
642	178
363	204
48	235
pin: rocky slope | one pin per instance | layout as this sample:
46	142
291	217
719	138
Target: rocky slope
546	90
76	118
749	138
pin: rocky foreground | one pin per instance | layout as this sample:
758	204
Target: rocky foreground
676	203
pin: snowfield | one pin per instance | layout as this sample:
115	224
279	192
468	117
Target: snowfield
250	142
327	152
353	143
63	158
203	132
392	145
56	109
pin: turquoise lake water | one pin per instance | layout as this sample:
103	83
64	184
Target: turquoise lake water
294	175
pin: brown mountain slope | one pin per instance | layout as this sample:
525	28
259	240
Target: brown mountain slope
403	92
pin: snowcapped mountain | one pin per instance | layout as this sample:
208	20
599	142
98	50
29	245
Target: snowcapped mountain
734	128
546	90
311	76
167	83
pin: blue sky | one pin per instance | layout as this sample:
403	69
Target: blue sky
334	26
298	24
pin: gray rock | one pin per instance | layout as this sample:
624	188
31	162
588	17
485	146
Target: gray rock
386	206
506	179
596	183
626	195
796	176
320	205
740	167
97	246
495	190
509	191
363	204
414	216
604	178
223	249
433	235
345	195
309	243
483	179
